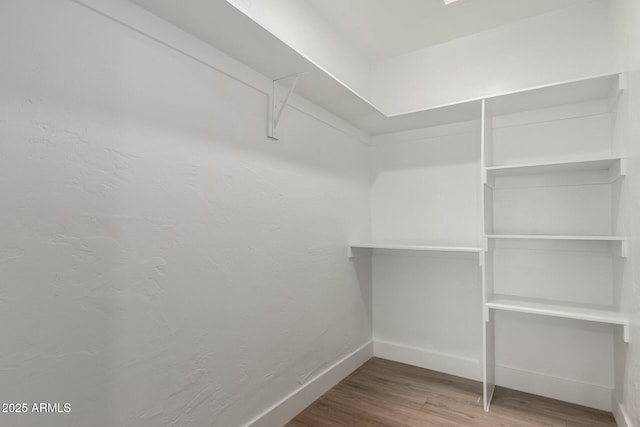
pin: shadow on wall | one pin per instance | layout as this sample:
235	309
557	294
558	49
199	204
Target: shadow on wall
441	151
362	266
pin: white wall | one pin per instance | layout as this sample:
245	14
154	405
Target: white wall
562	45
565	359
626	25
425	186
552	204
162	261
427	308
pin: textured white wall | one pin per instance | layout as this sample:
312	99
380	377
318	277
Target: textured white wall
427	309
626	23
425	186
163	262
563	45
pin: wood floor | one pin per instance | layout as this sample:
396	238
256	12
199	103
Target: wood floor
384	393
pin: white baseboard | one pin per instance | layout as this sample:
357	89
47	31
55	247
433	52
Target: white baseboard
592	395
291	405
580	393
621	415
424	358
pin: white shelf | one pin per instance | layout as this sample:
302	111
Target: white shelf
555	237
571	92
605	163
415	247
228	29
591	313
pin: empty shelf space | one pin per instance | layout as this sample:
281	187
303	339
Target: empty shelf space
435	248
612	164
586	312
555	237
572	92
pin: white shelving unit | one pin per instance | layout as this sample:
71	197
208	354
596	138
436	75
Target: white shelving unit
550	186
549	183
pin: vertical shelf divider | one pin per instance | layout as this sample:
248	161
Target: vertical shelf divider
486	200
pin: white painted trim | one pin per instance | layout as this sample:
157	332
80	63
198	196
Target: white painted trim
137	19
621	416
581	393
448	363
294	403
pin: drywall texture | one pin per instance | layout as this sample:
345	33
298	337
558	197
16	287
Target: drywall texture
563	45
425	186
428	308
626	22
162	261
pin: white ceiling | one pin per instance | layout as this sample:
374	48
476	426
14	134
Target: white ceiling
381	29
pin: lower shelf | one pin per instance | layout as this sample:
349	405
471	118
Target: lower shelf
590	313
415	247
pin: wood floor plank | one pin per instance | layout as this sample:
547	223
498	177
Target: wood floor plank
382	393
386	388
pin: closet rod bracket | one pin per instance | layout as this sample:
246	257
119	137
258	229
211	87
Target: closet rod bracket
281	90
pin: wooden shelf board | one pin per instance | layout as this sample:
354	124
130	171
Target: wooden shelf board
586	312
415	247
555	237
604	163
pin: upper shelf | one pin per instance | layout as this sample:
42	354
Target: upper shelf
613	165
275	59
572	92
